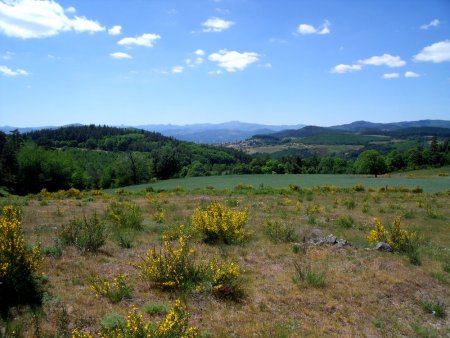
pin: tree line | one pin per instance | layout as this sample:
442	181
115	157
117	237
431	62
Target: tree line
93	157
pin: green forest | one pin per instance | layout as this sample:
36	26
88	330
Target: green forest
100	157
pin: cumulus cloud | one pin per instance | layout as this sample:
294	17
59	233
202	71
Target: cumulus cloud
411	74
199	52
6	71
342	68
391	75
177	69
433	23
120	55
385	59
306	29
29	19
233	60
115	30
145	40
437	52
216	25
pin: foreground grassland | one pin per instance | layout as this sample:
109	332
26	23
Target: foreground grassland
349	291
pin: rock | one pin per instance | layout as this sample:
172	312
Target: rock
384	247
329	240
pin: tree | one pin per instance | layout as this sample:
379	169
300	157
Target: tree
371	162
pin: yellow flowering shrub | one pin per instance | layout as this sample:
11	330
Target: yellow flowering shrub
172	267
175	325
19	264
399	239
221	224
114	291
225	279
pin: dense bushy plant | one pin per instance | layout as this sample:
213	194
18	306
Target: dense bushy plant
19	282
219	223
87	234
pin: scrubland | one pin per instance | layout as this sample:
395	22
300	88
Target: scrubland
249	268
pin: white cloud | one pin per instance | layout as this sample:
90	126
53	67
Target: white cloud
115	30
385	59
265	65
177	69
188	61
233	60
391	75
199	52
437	52
81	24
411	74
216	25
7	55
71	10
29	19
342	68
433	23
4	70
215	72
306	29
146	40
120	55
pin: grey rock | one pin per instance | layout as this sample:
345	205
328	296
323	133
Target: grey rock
329	240
384	247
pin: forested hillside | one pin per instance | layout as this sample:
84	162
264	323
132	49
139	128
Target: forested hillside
97	157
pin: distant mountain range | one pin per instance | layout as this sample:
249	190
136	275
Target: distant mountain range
235	131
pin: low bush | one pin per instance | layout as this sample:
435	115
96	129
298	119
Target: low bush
171	267
346	222
175	324
114	291
125	215
87	234
279	232
19	264
219	223
306	275
437	309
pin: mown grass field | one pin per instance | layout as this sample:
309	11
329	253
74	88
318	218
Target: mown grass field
429	180
357	291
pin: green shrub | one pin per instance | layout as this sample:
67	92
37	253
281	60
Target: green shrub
346	222
87	234
113	322
125	215
436	309
155	309
280	232
54	250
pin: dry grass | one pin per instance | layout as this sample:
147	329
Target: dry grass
366	293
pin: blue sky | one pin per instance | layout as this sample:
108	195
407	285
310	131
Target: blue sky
181	62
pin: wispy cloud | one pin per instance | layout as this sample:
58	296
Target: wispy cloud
177	69
115	30
120	55
437	52
29	19
145	40
433	23
7	55
411	74
307	29
385	59
6	71
232	61
216	25
343	68
391	75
